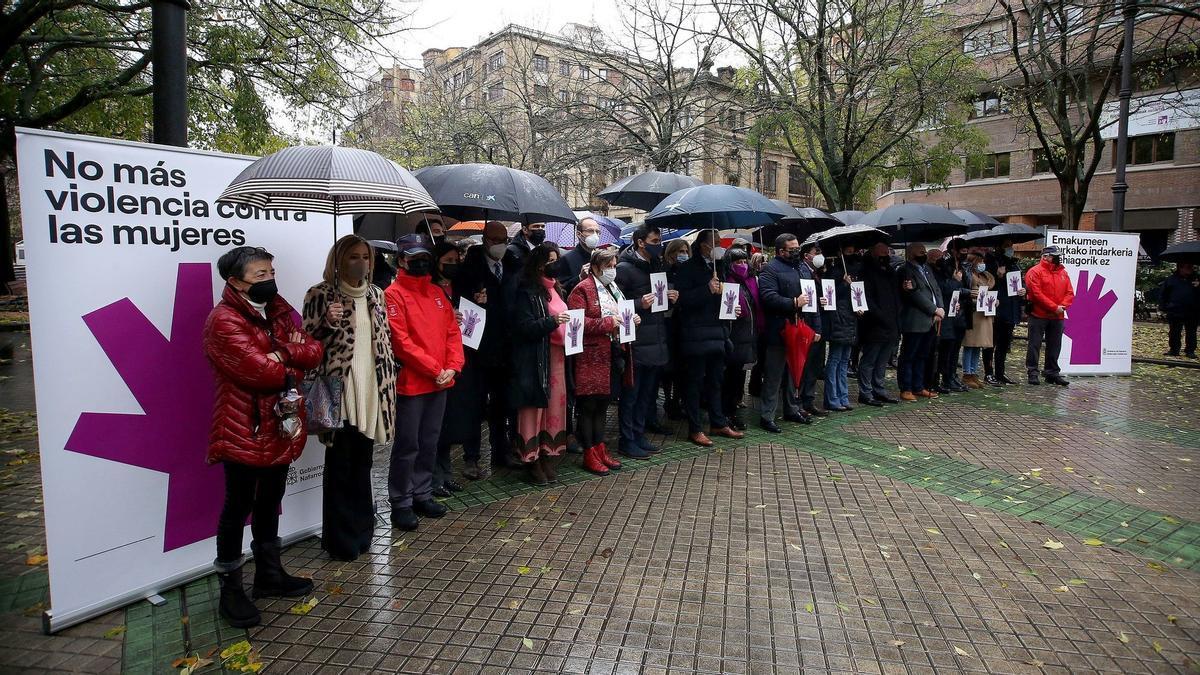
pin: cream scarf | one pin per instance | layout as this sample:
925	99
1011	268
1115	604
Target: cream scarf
360	397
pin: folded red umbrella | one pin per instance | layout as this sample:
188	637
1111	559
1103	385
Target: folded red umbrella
797	338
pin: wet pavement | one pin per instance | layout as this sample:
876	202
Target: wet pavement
906	540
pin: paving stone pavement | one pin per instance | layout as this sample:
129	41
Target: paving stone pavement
903	540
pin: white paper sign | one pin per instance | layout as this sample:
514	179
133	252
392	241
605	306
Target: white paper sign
473	318
829	294
573	332
658	287
731	296
858	296
1015	283
979	298
626	312
990	301
954	304
809	288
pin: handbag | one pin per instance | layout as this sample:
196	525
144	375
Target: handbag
323	403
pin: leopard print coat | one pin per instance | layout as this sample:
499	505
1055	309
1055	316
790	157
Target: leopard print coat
339	347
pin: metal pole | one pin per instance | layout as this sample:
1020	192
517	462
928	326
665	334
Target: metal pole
1120	187
168	46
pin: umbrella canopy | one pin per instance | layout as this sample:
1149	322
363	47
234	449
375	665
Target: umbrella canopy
645	190
797	338
490	192
720	207
328	179
1186	252
466	226
849	217
861	236
1014	232
383	245
668	233
908	223
800	221
392	226
976	220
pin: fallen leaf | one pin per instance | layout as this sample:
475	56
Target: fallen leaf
1052	545
932	530
1069	469
1171	618
302	608
524	569
1140	491
1169	519
1061	589
960	651
1092	541
813	512
976	575
38	559
896	643
514	604
545	569
236	649
808	607
1077	582
26	514
565	525
527	642
115	632
1123	637
761	506
1157	646
798	548
1036	663
575	611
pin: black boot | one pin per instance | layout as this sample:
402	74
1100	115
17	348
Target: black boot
234	606
270	579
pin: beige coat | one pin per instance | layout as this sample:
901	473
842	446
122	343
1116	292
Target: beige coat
980	332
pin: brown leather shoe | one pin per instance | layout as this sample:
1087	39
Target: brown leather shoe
907	396
700	439
925	393
726	432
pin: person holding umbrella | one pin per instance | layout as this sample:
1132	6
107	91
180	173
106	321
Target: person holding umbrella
257	351
702	339
782	300
427	343
921	312
347	314
1180	301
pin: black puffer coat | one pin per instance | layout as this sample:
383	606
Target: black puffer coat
881	322
531	326
702	333
633	278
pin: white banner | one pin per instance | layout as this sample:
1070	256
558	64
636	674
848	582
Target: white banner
122	241
1098	332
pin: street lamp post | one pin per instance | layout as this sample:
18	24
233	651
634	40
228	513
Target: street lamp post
1120	187
168	50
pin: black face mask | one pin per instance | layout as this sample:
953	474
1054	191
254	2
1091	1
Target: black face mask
420	267
793	256
449	270
920	259
884	261
1055	260
263	291
551	270
654	250
536	236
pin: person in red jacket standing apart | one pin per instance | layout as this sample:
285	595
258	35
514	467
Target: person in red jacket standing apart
258	351
1048	291
428	348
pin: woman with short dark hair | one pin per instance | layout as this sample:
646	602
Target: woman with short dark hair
259	356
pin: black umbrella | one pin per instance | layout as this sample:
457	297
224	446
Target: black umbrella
907	223
384	245
861	236
718	207
849	217
802	222
1186	252
392	226
1015	232
645	190
490	192
976	221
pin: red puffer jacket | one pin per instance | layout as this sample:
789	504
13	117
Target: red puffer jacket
425	333
237	341
1047	287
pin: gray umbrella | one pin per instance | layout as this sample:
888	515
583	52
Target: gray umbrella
1015	232
976	220
491	192
861	236
908	223
645	190
849	217
1186	252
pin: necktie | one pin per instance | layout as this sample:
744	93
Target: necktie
498	270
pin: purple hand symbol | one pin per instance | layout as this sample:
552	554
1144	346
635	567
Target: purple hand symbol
858	296
573	331
626	321
829	295
1014	285
1085	324
730	298
808	297
990	302
470	320
660	293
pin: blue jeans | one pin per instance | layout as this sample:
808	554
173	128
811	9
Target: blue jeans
837	385
972	357
910	368
637	404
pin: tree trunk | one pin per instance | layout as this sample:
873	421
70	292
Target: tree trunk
6	255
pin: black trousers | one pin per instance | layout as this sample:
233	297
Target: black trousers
733	387
348	502
494	403
249	491
1002	335
704	375
947	361
1049	331
591	417
1176	335
814	367
934	362
418	425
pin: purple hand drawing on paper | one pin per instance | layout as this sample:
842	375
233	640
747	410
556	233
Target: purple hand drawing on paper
172	435
573	330
1014	285
730	298
470	321
808	297
627	322
858	296
660	293
829	296
989	303
1085	321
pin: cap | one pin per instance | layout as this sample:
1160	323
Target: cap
1050	250
413	244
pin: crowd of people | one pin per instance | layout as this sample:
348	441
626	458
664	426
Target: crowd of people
395	369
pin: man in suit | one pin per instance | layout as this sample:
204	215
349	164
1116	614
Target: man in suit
571	266
810	268
482	279
921	313
782	300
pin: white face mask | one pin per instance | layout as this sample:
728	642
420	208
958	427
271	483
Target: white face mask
718	252
681	258
591	241
980	267
496	251
818	261
609	275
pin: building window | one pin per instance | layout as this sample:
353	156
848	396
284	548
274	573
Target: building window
563	96
541	91
797	181
770	176
541	63
564	68
986	38
585	72
989	104
994	165
602	73
1148	149
1041	161
495	93
496	62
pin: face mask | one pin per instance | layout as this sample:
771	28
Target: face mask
883	260
980	267
450	270
718	252
654	250
358	269
741	268
609	275
681	258
1008	251
551	270
496	251
1055	260
818	261
420	267
920	259
263	291
793	256
591	241
536	236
